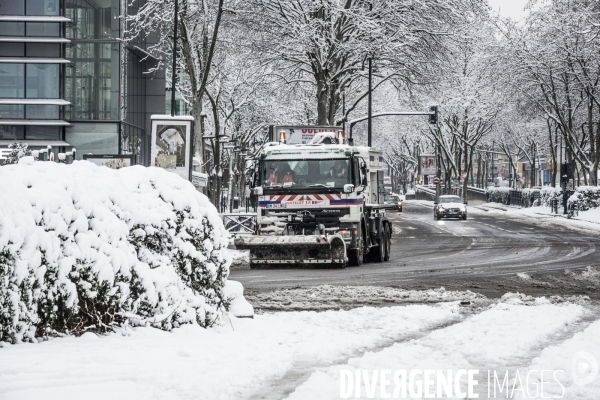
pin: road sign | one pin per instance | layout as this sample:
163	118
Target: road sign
436	181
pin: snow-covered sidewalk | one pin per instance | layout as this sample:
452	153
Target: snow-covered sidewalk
301	354
231	362
588	220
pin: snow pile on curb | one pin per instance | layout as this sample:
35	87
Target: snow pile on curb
327	297
237	304
86	247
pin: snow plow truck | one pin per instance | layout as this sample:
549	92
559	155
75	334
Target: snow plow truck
320	204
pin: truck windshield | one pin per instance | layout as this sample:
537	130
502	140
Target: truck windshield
330	173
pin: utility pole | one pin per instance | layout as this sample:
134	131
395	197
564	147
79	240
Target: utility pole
174	58
369	125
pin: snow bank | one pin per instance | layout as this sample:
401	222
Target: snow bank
86	247
327	297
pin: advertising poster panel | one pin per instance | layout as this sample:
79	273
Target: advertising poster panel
428	164
171	140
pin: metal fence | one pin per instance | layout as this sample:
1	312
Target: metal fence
240	223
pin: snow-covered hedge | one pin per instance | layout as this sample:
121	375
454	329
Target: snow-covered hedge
547	193
84	247
498	195
587	196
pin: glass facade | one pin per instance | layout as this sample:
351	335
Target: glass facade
92	81
92	20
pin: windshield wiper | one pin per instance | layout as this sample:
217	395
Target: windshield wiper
318	185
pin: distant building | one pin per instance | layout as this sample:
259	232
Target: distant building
66	80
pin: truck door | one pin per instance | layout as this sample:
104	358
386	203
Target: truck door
380	187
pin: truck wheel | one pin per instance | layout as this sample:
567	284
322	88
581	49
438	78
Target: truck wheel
355	256
379	251
388	242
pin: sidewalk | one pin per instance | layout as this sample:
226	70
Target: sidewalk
586	219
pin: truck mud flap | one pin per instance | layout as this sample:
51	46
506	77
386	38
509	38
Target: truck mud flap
294	251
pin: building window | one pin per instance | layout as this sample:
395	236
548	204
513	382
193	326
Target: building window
43	29
12	7
33	29
92	82
12	80
29	7
42	7
94	138
42	50
12	111
42	111
42	132
12	49
12	132
12	28
43	81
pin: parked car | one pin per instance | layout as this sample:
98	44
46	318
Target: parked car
449	206
394	199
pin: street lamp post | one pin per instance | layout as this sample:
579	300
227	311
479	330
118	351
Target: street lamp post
174	58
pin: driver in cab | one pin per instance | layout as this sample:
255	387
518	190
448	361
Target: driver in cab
338	170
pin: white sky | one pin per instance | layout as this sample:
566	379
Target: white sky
510	8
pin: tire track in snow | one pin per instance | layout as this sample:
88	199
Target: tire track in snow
503	337
303	368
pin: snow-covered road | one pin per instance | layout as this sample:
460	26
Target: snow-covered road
300	354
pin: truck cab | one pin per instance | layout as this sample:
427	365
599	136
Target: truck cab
325	189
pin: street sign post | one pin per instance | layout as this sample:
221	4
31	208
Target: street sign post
436	181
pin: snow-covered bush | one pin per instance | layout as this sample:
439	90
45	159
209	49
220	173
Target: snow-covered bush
84	247
548	193
18	150
498	195
587	197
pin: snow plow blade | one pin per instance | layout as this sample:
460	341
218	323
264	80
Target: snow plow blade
291	251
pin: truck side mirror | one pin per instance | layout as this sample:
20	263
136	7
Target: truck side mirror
258	190
348	188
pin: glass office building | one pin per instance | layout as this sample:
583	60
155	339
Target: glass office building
66	80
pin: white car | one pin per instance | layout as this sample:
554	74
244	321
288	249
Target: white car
449	206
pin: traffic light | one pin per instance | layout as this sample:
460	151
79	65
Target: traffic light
564	172
474	151
510	177
433	117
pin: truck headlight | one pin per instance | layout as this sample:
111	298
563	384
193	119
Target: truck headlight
463	209
441	209
345	233
399	204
